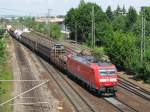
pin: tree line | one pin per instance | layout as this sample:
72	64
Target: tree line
2	47
118	32
5	70
2	56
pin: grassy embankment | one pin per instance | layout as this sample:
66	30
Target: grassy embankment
5	74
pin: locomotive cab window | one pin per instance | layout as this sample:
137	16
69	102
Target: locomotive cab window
102	72
111	72
107	72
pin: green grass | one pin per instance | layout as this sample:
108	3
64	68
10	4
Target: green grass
6	87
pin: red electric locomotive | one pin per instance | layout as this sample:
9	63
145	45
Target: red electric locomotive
99	76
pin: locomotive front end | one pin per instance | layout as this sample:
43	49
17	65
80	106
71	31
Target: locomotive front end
108	79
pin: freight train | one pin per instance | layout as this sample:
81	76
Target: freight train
100	77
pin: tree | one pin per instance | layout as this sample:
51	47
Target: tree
39	27
109	13
82	3
147	13
123	10
120	37
118	11
70	19
104	31
20	19
130	19
118	23
123	51
137	27
85	21
82	16
2	19
2	51
29	21
145	74
55	31
2	31
147	28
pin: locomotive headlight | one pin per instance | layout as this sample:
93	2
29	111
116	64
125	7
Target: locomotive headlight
113	80
102	80
108	80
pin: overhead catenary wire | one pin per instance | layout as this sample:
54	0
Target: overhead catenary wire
12	11
9	11
35	87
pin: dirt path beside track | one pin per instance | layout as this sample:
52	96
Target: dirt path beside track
36	100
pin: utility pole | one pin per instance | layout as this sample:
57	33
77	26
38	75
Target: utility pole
93	27
144	22
76	35
48	19
143	35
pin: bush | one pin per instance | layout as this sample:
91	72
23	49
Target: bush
55	31
99	53
123	51
2	51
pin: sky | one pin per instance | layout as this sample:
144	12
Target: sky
59	7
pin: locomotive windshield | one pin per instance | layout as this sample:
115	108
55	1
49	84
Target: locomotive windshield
102	72
107	72
111	72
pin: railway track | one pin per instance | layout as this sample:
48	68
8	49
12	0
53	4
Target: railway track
122	82
31	101
119	105
77	101
134	89
73	99
127	85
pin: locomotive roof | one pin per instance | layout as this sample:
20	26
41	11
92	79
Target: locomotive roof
90	60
